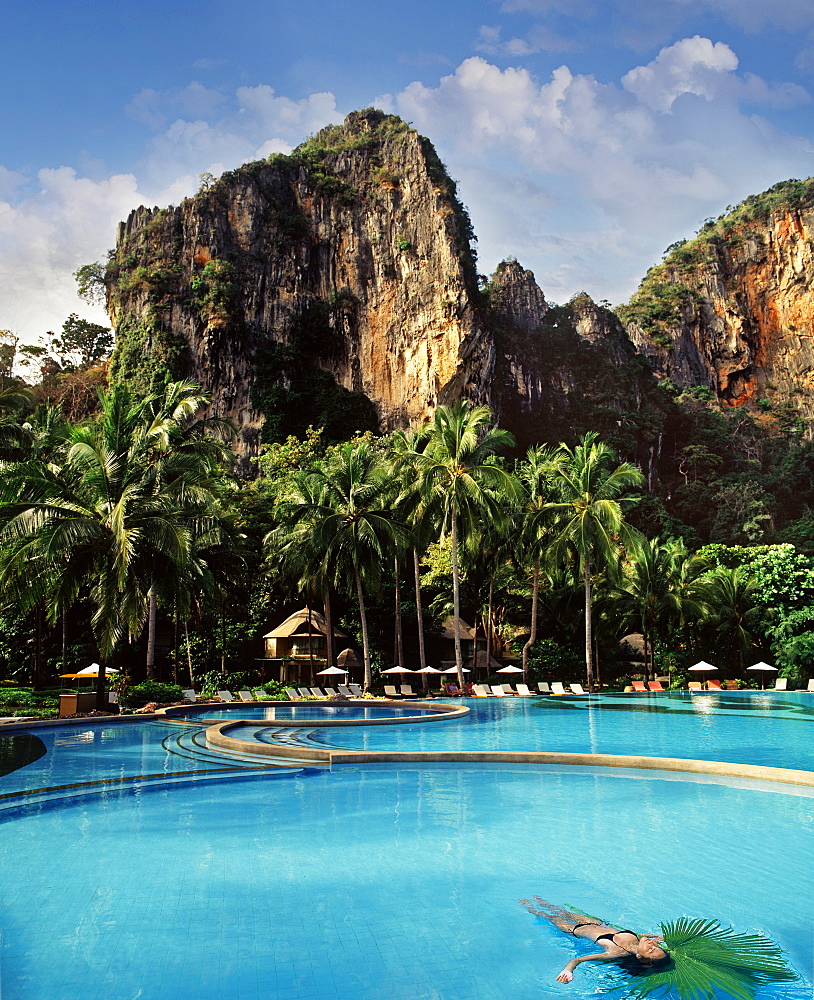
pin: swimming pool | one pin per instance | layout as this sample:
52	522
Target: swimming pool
368	882
310	711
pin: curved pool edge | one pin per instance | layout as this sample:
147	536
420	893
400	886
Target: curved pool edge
438	713
217	736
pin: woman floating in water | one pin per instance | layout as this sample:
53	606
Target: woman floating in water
616	945
693	958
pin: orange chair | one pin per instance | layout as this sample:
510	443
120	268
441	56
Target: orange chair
714	686
695	686
453	690
655	685
639	686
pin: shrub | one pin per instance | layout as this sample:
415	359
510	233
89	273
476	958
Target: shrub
142	694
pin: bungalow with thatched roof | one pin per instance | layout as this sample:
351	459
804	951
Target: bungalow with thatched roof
301	636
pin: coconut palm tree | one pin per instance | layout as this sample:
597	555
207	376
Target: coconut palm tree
727	596
535	523
458	470
658	588
346	513
590	527
120	512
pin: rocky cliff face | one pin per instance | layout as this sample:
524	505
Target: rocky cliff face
733	310
354	253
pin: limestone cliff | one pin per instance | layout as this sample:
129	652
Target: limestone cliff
733	309
563	370
353	254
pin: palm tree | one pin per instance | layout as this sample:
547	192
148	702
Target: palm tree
590	524
728	598
658	588
123	504
458	469
346	514
535	520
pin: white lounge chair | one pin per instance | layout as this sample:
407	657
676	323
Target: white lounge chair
292	694
811	684
317	693
480	691
345	691
508	689
577	689
261	695
304	692
497	690
226	696
330	693
190	695
407	691
245	696
391	691
543	687
357	691
557	688
781	684
523	690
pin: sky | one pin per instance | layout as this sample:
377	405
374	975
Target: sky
585	135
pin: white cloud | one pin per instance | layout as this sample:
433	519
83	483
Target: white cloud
538	39
641	163
53	222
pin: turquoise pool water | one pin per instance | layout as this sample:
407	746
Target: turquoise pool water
374	882
771	729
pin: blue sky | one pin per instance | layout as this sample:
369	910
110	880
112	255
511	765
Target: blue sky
586	135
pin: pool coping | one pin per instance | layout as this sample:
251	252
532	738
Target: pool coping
216	736
439	712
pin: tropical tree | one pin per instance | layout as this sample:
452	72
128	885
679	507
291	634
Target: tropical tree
535	523
120	512
346	513
458	470
590	527
657	589
729	598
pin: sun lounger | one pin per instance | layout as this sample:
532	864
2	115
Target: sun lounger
781	684
245	696
578	689
638	686
261	695
226	696
345	691
317	692
391	691
452	690
523	691
480	691
497	690
543	687
655	685
330	693
357	691
731	685
557	688
407	691
695	686
811	684
292	694
713	685
508	689
190	695
304	692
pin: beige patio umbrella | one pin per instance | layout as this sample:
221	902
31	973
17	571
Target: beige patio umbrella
764	668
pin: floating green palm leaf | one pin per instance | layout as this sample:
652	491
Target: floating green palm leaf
705	957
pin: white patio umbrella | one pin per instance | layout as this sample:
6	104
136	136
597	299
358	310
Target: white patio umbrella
93	671
510	669
764	667
400	670
702	665
332	670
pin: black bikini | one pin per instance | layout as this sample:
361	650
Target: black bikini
607	937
